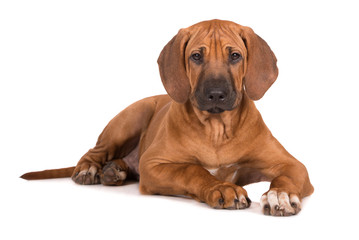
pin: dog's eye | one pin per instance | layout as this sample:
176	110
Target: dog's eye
235	56
196	57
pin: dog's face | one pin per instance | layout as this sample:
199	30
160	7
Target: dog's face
215	67
212	62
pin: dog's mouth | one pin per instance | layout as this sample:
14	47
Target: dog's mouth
215	110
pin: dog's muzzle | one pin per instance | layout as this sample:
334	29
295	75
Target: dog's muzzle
215	96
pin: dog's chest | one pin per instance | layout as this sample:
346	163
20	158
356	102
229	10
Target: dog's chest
217	156
223	161
228	173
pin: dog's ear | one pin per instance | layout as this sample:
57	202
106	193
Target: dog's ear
262	68
172	67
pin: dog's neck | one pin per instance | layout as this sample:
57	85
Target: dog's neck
218	128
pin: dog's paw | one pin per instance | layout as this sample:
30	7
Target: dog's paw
86	174
228	196
114	173
280	203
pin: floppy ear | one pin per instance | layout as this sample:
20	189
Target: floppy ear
262	68
171	63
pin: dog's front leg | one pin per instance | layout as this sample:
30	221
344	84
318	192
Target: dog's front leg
287	190
191	180
289	181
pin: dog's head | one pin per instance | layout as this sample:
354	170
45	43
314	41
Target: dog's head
212	63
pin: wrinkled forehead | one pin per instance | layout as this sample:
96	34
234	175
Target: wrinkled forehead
215	36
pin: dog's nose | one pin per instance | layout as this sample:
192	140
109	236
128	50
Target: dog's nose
216	95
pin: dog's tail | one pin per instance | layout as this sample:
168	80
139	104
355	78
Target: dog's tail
52	173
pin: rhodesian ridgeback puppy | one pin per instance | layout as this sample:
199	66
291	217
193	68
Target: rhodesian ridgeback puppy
205	139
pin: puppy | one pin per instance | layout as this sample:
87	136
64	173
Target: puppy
205	139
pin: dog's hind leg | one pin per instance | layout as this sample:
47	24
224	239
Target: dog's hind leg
120	138
115	172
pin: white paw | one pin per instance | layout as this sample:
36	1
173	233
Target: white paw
280	203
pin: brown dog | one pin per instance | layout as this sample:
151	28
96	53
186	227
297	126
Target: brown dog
206	139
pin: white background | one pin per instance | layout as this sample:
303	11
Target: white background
68	67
